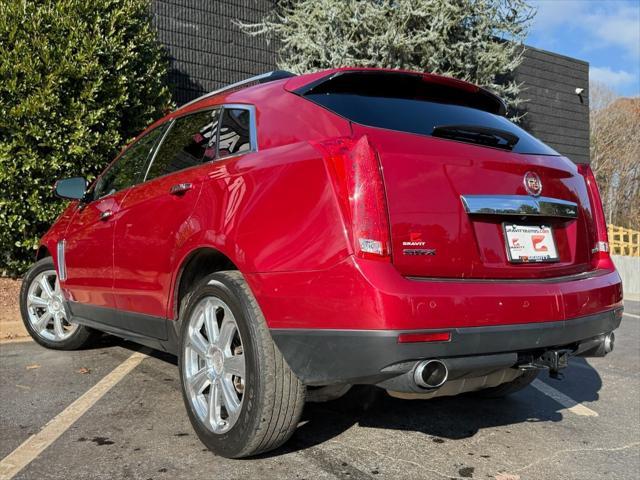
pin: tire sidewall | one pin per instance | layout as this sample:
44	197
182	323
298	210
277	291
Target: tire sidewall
231	443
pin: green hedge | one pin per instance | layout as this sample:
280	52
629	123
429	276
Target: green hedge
78	79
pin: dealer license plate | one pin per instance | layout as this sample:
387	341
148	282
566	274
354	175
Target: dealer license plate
529	243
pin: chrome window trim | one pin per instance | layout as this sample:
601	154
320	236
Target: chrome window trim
258	79
519	205
253	133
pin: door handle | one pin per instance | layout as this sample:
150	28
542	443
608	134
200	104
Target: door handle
180	188
106	215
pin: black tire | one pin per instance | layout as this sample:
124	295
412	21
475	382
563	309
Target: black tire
273	397
82	336
511	387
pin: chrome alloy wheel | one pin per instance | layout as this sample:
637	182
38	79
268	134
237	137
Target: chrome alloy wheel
46	308
214	365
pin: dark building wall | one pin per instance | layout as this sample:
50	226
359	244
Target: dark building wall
208	51
554	112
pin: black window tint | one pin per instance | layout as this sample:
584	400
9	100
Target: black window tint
408	104
128	169
189	142
234	132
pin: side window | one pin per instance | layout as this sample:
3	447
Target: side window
128	169
235	128
189	142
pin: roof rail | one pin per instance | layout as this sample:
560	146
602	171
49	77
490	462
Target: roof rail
263	78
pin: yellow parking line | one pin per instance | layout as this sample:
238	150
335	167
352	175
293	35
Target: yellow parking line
567	402
36	444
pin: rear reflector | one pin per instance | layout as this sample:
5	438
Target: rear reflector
600	257
355	171
424	337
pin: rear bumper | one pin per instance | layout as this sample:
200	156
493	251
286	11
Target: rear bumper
320	357
341	324
371	295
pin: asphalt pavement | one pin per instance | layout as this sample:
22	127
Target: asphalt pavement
585	426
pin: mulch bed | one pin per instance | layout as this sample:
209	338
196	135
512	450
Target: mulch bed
10	322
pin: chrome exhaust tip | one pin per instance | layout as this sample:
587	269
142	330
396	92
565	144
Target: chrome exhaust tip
430	374
609	342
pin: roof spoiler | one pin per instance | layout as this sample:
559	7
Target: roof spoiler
249	82
306	84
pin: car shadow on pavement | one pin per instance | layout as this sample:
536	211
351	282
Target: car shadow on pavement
108	341
443	419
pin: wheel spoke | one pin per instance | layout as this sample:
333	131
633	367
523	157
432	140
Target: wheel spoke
57	326
230	399
211	367
215	402
198	381
56	286
227	331
35	301
46	287
234	365
43	321
211	322
198	343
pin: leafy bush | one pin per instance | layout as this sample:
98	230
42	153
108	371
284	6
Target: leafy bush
79	79
475	40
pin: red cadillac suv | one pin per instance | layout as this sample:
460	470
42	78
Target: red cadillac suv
289	236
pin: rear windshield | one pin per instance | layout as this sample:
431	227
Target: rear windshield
422	108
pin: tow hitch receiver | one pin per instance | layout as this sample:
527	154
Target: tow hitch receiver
553	360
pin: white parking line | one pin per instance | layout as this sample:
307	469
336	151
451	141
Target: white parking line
567	402
632	315
36	444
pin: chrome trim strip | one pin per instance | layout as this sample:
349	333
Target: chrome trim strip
519	205
275	74
62	266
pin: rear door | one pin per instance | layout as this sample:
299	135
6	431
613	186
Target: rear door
154	221
89	238
458	177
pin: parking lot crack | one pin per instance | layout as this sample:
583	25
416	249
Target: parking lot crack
577	450
402	460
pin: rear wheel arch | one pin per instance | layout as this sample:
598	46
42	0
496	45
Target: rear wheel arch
198	264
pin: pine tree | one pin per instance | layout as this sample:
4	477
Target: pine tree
475	40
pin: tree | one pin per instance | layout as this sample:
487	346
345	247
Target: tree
615	151
79	79
475	40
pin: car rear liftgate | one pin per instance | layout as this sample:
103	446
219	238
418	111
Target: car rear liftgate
469	194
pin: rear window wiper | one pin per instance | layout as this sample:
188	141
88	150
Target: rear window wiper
491	137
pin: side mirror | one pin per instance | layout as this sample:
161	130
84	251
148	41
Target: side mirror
73	188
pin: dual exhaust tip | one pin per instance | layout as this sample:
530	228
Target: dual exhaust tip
430	374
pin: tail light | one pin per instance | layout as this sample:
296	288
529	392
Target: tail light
600	257
355	170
